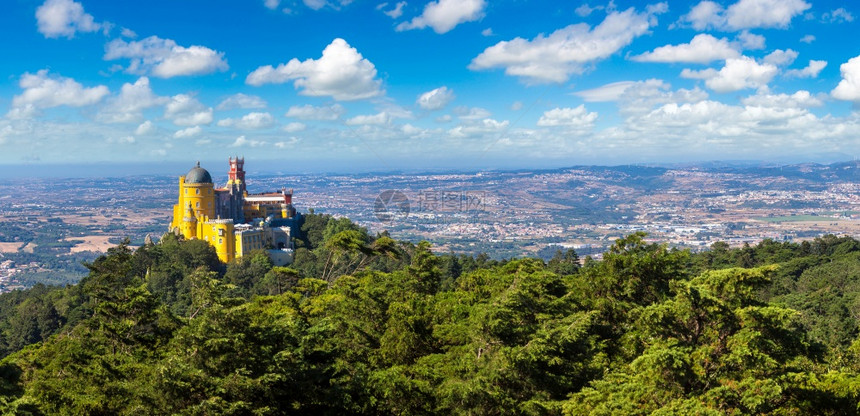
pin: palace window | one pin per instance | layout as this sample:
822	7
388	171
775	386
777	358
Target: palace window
197	191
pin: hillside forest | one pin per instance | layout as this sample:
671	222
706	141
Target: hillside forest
365	324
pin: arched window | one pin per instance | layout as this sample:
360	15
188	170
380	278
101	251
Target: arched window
198	204
197	191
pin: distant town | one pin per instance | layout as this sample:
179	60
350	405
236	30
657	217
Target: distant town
48	226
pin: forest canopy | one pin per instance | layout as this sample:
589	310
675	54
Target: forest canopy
365	324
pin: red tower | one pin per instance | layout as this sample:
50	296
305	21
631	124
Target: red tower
237	172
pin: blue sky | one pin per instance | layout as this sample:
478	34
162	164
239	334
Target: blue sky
340	84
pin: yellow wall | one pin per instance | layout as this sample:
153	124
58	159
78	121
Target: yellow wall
219	233
249	240
201	197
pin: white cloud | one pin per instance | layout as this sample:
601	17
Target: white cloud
444	15
309	112
705	14
144	128
800	99
473	113
128	106
484	126
56	18
271	4
375	119
294	127
128	33
41	90
250	121
811	71
577	117
748	14
315	4
849	88
780	57
808	39
584	10
435	99
639	97
745	14
702	49
243	101
341	73
241	141
737	74
566	51
839	15
750	40
185	110
163	58
286	144
397	11
189	132
608	92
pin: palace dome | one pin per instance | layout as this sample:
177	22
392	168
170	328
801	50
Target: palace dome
198	175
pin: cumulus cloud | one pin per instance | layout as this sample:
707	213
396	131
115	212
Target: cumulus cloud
800	99
241	141
250	121
473	113
750	40
569	50
702	49
189	132
163	58
144	128
737	74
444	15
780	57
849	88
636	97
63	18
394	13
294	127
374	119
185	110
808	39
584	10
811	71
477	128
608	92
435	99
341	73
323	113
271	4
577	118
128	33
745	14
42	90
128	106
243	101
839	15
